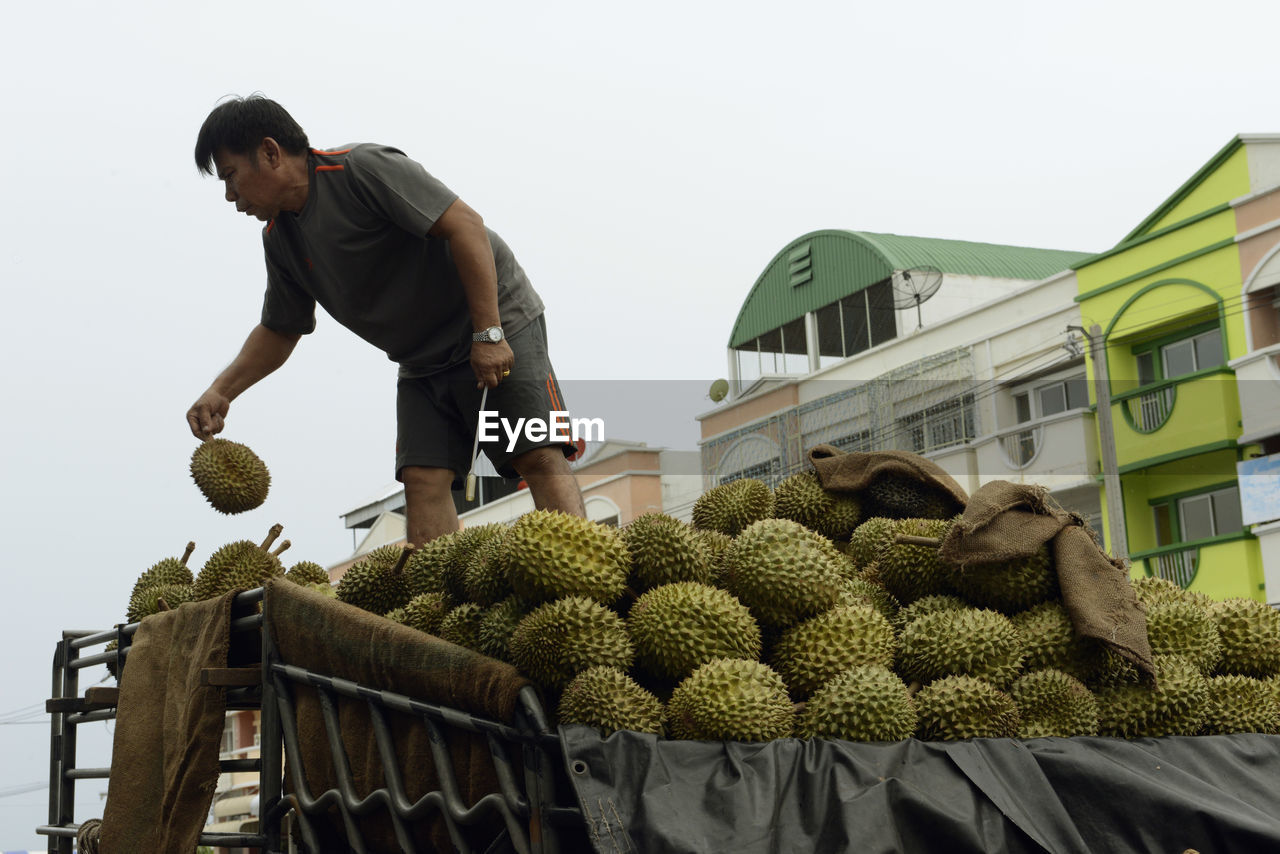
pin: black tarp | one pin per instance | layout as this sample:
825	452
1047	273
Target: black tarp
1077	795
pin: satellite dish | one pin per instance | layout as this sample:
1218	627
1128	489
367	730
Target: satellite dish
912	287
719	390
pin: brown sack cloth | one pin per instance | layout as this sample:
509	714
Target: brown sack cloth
332	638
854	472
164	759
1006	520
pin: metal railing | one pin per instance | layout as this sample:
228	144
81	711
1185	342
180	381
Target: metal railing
530	806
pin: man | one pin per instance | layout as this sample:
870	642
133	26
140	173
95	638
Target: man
399	259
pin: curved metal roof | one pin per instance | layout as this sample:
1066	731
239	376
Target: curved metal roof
821	267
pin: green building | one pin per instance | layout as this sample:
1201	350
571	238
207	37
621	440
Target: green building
1170	305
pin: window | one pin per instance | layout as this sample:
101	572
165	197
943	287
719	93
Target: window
1198	517
1198	351
948	423
855	323
229	734
1071	393
860	441
767	471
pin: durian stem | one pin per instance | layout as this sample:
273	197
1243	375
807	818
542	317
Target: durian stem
191	547
284	544
913	688
162	605
276	530
909	540
405	553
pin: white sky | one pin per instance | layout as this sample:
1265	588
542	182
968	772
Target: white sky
645	162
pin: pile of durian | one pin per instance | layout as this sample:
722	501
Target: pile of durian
798	612
241	565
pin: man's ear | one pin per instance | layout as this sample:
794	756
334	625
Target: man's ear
270	153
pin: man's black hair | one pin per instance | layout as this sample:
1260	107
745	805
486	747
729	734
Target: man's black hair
239	125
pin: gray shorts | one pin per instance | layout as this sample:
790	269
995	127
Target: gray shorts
437	416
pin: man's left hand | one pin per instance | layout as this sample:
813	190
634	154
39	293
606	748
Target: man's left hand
489	361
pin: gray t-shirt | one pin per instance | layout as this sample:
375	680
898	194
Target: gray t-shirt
360	248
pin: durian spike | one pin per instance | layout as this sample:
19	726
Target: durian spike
284	544
408	550
276	530
909	540
191	547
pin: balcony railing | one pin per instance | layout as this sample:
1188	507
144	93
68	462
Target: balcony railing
1149	411
1176	563
1020	449
1057	444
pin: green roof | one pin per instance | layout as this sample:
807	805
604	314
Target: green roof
821	267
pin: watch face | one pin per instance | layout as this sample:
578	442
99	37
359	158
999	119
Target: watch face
495	334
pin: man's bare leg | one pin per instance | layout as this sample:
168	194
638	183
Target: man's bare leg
551	483
428	503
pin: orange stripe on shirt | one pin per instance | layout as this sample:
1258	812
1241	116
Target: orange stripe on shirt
555	393
271	223
337	168
318	151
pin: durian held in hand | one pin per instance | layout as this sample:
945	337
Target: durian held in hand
232	477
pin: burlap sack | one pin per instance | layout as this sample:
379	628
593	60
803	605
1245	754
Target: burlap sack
335	639
854	472
1004	521
164	759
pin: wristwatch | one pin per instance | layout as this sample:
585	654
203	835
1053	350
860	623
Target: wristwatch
492	335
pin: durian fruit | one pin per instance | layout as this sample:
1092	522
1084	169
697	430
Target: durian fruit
169	570
551	555
973	642
1176	706
1050	640
1250	637
1009	586
1053	703
1152	590
930	605
484	579
901	497
306	572
425	611
865	703
957	707
1240	704
432	568
497	625
156	598
678	627
731	699
608	699
731	507
1179	627
242	565
715	546
801	498
911	571
231	476
377	583
558	640
664	550
462	626
862	588
812	652
466	544
783	572
868	539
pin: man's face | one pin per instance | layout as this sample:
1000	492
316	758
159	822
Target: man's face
251	185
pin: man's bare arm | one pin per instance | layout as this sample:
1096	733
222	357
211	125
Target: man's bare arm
263	351
473	255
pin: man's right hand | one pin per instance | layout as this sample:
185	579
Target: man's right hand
207	415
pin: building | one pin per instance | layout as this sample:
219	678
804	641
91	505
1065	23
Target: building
235	800
1183	307
955	350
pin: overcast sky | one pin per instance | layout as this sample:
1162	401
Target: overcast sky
645	162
